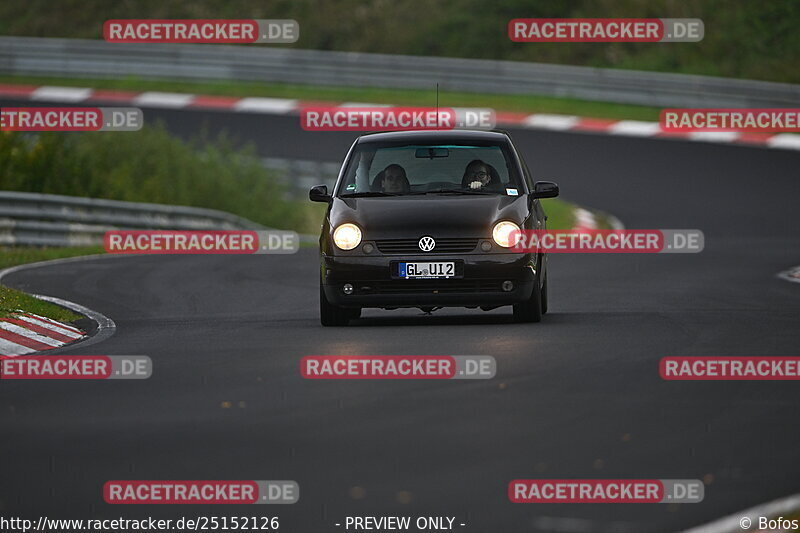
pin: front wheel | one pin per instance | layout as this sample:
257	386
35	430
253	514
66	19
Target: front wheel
330	314
531	309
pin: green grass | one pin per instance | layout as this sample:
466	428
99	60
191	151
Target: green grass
411	97
559	213
12	300
22	255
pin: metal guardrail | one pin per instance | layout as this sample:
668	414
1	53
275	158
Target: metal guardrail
35	219
299	175
99	59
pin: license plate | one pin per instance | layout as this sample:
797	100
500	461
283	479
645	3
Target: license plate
438	269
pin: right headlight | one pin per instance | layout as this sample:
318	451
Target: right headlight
502	233
347	236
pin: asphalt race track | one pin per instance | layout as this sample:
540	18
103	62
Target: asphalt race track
576	396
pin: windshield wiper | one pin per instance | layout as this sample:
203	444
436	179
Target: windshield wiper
367	194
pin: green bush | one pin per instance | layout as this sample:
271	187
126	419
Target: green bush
151	166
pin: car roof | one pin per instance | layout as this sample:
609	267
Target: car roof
434	136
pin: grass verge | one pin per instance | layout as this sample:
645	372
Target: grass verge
560	214
12	300
524	103
22	255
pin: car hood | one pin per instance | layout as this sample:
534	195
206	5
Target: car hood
409	217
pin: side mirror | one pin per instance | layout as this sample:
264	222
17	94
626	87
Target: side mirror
319	193
545	189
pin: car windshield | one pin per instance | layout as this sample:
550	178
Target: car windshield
377	170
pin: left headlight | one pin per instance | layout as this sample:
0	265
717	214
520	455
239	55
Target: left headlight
502	233
347	236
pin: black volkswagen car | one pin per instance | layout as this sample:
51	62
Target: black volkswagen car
425	219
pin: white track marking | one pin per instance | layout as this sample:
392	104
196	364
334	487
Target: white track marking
635	128
551	122
61	94
714	136
793	274
266	105
158	99
105	326
784	140
363	104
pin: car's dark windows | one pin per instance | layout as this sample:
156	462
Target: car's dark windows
443	171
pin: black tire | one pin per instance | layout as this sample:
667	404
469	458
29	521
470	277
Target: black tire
354	313
332	315
530	310
544	295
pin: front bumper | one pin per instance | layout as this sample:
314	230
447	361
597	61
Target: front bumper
480	285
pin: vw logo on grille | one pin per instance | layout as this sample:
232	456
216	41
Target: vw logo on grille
426	244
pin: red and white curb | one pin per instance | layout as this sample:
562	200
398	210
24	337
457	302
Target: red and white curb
285	106
585	219
25	333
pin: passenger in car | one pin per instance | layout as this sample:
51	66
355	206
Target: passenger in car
480	175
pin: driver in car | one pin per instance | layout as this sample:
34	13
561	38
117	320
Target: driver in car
480	175
393	179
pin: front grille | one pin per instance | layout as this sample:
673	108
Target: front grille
411	246
434	286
